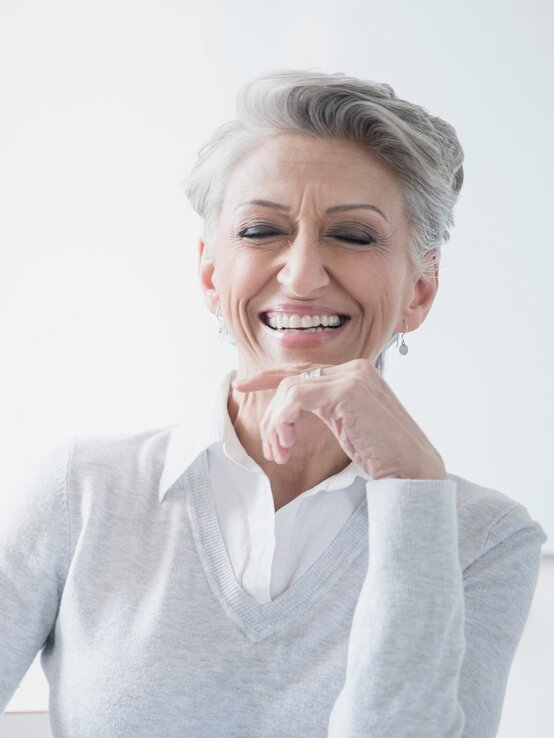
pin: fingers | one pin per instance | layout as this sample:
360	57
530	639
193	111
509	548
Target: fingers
293	394
278	425
266	450
277	437
271	378
286	434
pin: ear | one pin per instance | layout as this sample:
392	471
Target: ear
206	268
424	291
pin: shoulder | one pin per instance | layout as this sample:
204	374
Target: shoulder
40	494
95	451
121	461
487	516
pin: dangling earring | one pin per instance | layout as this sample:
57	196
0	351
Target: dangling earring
222	330
224	334
403	348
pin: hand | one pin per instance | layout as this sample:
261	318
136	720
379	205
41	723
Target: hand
359	407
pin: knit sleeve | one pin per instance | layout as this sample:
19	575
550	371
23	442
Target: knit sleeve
431	645
33	564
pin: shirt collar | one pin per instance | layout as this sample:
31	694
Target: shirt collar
188	440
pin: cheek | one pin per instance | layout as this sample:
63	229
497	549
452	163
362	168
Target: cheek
246	274
375	290
368	281
251	274
241	288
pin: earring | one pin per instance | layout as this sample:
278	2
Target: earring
403	348
222	330
224	334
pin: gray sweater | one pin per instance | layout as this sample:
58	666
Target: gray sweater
405	627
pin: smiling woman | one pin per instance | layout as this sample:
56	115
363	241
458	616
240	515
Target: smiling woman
420	151
297	561
320	242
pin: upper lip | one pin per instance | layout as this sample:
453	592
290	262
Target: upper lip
290	309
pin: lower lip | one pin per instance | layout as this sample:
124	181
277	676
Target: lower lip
304	340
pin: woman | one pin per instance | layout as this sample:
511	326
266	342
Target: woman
296	562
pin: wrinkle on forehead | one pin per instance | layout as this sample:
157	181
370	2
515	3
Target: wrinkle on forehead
288	172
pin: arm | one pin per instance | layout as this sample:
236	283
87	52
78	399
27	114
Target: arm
33	565
498	591
431	646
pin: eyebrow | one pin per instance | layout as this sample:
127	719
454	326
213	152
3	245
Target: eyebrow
334	209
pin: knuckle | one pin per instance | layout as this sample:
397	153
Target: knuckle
367	366
294	390
363	367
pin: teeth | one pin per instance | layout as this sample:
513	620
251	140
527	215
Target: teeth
280	320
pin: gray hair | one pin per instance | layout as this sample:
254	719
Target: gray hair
422	150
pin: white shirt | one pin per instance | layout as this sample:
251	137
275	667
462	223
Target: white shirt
268	550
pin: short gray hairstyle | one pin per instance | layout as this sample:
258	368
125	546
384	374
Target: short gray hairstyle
422	150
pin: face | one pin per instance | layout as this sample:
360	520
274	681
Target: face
333	243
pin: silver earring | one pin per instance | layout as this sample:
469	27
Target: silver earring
222	330
403	348
223	333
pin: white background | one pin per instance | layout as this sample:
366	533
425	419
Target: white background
103	327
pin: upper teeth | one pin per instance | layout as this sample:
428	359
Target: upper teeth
282	320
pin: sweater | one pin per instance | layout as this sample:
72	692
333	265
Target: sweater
405	626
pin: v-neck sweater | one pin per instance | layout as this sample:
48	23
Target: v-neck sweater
405	626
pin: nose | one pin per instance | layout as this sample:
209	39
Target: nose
304	273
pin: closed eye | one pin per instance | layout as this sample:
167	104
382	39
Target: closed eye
363	240
353	239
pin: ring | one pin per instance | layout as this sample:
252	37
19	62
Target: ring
311	373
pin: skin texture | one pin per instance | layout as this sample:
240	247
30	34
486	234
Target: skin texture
307	260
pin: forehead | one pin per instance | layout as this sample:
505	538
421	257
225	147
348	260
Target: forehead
288	166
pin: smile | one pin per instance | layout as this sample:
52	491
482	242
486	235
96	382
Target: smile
291	323
308	337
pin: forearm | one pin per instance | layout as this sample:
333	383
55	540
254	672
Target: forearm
407	638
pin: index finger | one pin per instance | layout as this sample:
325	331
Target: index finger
270	378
